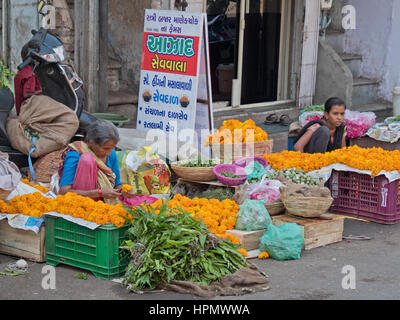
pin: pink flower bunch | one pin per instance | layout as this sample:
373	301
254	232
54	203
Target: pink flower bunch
267	194
358	123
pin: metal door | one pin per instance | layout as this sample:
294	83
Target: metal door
19	18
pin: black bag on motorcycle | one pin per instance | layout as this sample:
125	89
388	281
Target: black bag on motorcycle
50	124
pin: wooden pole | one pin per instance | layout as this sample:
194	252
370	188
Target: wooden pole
103	56
77	34
93	54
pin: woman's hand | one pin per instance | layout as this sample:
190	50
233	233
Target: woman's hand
129	194
110	193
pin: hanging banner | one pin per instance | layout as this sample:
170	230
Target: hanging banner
172	59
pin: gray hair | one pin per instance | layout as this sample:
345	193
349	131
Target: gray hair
101	131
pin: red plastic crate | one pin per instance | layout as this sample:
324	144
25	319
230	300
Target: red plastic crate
360	196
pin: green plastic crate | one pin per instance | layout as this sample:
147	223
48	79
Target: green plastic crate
117	119
93	250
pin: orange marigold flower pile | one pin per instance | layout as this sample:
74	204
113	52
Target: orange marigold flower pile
374	159
35	205
234	131
218	216
36	186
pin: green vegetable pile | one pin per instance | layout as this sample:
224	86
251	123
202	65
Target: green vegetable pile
219	193
229	175
164	247
295	176
393	119
199	162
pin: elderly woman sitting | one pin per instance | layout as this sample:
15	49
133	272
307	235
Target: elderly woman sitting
90	168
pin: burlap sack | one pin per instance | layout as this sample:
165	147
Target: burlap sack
53	122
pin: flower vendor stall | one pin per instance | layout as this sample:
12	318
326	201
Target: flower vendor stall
227	208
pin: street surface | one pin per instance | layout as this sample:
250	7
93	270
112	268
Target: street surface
316	276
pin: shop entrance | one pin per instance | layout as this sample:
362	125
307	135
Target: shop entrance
256	55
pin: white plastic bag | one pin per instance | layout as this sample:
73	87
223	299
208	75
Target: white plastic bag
9	173
265	190
358	123
310	115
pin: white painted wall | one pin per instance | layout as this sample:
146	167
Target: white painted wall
377	39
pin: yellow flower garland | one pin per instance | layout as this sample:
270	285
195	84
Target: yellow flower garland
35	205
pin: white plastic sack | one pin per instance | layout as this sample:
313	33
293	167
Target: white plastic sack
9	173
265	190
358	123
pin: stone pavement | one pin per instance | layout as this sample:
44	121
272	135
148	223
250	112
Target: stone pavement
316	276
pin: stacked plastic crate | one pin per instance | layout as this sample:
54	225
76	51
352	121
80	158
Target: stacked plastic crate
360	196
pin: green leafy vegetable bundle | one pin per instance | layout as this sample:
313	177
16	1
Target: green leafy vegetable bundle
229	175
199	162
175	246
220	194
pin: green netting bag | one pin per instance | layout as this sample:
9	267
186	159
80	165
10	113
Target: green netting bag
252	216
284	242
255	171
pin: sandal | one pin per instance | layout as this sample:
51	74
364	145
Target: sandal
272	118
285	120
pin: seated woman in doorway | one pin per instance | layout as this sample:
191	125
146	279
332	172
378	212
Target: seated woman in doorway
90	167
327	134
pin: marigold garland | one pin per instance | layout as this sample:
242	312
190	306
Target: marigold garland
35	205
234	131
263	255
36	186
374	159
126	188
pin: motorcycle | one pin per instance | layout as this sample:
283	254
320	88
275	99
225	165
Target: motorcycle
58	80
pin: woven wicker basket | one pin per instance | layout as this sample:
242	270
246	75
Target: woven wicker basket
307	207
275	208
193	173
4	194
239	150
46	166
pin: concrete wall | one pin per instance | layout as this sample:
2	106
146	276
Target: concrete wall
336	14
126	20
377	39
334	79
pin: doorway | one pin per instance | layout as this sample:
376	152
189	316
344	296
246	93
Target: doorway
258	54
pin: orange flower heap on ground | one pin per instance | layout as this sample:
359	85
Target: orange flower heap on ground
234	131
374	159
35	205
242	251
263	255
218	216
